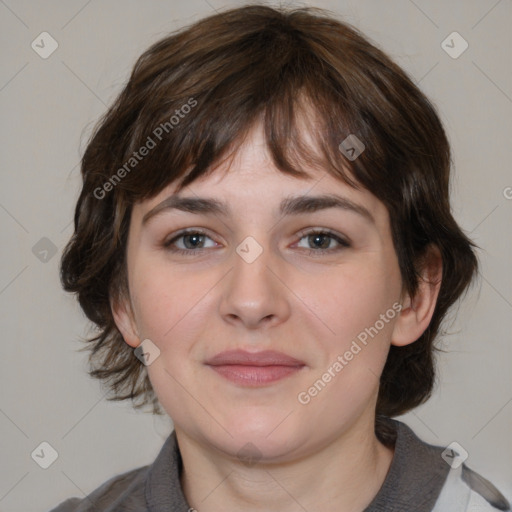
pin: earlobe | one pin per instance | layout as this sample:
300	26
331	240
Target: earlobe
417	311
125	322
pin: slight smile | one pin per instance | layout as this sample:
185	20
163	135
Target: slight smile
254	369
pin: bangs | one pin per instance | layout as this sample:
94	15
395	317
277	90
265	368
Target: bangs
191	126
191	102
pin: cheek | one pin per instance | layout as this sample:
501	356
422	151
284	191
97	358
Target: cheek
357	305
165	302
171	310
353	299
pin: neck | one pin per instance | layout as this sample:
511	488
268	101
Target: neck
343	474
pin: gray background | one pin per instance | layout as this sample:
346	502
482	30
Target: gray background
48	109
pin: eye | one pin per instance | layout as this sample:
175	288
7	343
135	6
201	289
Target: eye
194	241
189	241
319	241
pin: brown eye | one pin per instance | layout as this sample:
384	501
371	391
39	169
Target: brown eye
189	242
193	241
319	241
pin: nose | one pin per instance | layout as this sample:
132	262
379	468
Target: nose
254	295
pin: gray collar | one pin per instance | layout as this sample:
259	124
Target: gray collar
414	481
415	477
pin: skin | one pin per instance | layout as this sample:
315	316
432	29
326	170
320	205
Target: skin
293	298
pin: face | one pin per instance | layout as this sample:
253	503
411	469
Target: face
269	262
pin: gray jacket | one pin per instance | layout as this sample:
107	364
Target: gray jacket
420	479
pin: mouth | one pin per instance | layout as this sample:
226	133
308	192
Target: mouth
253	369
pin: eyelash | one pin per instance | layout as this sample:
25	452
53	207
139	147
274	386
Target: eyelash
343	244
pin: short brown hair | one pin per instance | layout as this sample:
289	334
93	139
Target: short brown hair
261	64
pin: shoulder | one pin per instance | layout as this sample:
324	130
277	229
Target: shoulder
153	487
464	490
434	477
467	491
482	487
125	490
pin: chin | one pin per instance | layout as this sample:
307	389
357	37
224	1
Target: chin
262	437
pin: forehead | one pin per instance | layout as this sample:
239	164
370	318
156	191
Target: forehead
250	180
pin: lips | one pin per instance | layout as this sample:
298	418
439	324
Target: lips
254	368
264	358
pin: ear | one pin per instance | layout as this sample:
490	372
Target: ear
417	311
125	321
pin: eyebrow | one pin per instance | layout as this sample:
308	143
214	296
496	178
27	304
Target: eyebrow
288	206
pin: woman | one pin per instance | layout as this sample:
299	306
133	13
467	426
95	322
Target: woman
264	239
